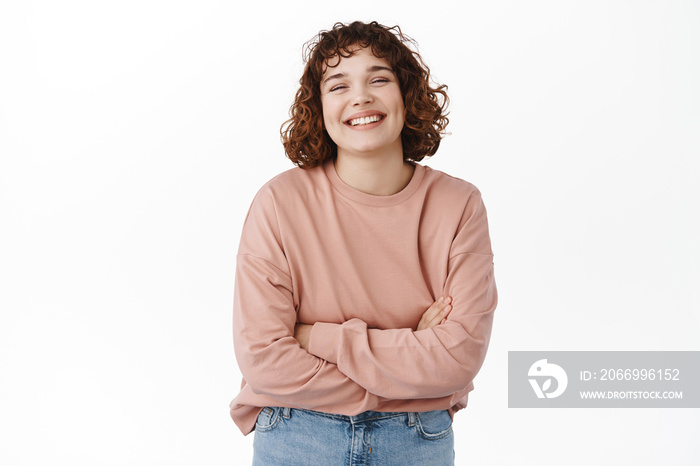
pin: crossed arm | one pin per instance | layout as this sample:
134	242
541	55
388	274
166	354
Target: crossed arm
312	366
433	316
439	358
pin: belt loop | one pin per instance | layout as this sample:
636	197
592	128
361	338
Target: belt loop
411	419
286	412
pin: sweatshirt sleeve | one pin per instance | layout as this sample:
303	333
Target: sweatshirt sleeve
429	363
270	359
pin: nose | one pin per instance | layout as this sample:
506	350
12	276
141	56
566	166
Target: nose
362	96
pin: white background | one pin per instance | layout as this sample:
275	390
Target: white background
134	135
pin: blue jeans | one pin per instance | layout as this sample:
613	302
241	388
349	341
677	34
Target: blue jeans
285	436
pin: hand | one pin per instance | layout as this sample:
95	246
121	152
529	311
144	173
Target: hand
302	334
436	314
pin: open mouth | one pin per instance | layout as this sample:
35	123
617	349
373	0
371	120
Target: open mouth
365	120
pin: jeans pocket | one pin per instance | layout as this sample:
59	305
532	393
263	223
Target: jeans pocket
268	419
434	425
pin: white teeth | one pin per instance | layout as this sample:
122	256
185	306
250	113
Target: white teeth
364	120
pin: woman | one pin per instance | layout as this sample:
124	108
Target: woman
364	291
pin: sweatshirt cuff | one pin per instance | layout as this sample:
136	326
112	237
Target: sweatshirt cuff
324	341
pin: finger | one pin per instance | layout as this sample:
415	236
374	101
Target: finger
430	313
435	309
442	307
448	309
438	318
446	313
442	317
433	323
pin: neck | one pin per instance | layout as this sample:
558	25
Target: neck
380	176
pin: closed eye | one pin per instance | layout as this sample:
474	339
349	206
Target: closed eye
339	87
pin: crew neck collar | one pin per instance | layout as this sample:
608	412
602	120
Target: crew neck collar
372	199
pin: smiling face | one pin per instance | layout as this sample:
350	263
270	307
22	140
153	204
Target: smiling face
363	109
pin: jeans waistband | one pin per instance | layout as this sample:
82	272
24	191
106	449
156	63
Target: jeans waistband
366	416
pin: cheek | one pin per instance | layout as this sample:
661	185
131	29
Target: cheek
324	120
327	112
401	108
327	121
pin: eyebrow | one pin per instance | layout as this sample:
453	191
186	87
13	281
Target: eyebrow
370	69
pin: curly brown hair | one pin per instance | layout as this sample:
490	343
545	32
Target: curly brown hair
305	140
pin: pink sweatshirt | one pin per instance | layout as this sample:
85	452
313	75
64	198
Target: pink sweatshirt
363	269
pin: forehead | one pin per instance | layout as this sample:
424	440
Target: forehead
360	57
